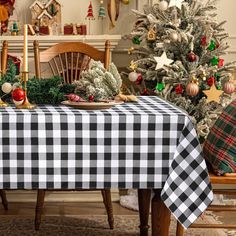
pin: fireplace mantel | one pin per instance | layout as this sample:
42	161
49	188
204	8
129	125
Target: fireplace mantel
98	41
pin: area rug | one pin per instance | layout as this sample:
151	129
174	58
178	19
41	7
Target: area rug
130	201
85	226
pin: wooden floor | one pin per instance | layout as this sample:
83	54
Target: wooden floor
82	208
53	208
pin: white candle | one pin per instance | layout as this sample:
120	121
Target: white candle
25	60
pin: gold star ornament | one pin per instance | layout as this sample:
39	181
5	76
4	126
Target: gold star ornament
213	94
130	50
133	66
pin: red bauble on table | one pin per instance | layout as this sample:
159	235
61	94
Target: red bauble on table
91	98
192	57
18	94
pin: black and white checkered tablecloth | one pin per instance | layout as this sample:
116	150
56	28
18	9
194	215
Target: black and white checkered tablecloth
149	144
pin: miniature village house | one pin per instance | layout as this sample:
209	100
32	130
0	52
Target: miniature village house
46	17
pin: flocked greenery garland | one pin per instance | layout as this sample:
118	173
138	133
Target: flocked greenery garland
44	91
97	82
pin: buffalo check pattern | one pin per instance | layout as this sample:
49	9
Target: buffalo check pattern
148	144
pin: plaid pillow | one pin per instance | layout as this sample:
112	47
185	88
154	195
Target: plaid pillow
220	146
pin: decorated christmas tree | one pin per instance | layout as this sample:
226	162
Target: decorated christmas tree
178	48
90	15
102	11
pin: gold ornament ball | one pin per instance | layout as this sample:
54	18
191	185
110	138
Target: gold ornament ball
126	2
133	66
229	87
192	89
130	50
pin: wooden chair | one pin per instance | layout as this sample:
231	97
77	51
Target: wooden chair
227	179
4	57
68	60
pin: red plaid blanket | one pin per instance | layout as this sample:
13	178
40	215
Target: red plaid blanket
220	147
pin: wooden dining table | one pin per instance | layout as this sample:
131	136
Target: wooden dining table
149	145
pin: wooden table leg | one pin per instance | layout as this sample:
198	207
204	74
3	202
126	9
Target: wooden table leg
160	216
144	197
4	199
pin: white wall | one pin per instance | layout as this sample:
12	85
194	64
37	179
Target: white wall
74	11
226	11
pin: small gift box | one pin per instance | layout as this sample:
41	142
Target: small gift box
81	29
84	29
78	29
68	29
43	30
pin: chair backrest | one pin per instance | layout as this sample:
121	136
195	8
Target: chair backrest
69	59
4	57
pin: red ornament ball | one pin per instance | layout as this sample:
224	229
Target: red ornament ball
221	62
229	87
179	89
145	92
91	98
192	57
18	94
139	79
203	41
211	81
192	89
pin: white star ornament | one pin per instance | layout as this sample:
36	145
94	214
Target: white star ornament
162	61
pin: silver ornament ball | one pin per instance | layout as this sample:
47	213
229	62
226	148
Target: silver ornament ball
163	5
174	36
133	76
6	87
